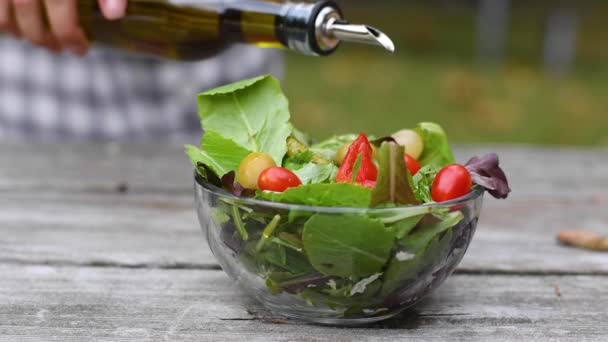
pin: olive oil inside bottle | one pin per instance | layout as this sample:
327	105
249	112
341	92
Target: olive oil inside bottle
185	30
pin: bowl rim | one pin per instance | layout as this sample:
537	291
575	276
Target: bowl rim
475	194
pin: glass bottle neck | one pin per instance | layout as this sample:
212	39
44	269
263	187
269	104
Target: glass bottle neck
196	29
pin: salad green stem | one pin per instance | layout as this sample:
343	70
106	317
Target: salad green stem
267	233
238	222
287	243
402	215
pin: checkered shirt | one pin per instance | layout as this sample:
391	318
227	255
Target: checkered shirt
111	95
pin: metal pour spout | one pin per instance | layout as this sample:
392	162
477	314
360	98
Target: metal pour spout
330	28
344	31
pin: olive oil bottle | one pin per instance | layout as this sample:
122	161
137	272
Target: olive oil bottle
196	29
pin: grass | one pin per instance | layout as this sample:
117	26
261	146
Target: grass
364	89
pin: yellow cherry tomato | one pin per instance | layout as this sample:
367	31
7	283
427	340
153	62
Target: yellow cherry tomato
411	141
251	167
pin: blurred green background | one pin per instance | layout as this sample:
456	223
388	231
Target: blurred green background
437	74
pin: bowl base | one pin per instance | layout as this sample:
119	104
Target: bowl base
330	321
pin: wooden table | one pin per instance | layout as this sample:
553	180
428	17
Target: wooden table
101	242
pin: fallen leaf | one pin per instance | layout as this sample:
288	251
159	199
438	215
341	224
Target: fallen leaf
584	239
275	321
122	188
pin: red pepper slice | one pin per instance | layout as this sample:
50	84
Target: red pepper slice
368	173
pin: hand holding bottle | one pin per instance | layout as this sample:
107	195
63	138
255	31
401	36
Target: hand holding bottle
185	30
27	19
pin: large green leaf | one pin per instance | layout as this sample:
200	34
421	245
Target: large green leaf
392	186
324	194
254	113
437	151
347	245
222	155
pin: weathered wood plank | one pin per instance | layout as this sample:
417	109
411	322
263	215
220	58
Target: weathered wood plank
121	230
534	172
110	304
519	235
94	167
137	230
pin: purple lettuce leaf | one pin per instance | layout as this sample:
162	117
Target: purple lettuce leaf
230	184
486	172
208	174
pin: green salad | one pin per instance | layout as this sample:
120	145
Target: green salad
353	262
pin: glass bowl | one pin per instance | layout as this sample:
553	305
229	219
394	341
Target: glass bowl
333	265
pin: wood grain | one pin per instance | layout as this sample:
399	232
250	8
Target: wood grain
101	242
94	167
95	229
110	304
534	172
162	231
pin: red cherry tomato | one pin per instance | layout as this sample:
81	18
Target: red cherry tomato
451	182
412	164
278	179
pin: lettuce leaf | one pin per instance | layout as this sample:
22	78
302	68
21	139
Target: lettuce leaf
324	194
253	113
419	248
220	154
487	173
393	185
405	265
312	173
328	148
419	239
347	245
298	154
437	151
423	181
301	136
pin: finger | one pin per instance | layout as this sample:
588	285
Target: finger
113	9
50	43
5	15
63	20
14	29
28	16
7	23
